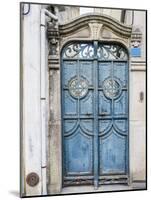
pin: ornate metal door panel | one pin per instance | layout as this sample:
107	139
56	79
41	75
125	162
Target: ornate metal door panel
113	120
94	113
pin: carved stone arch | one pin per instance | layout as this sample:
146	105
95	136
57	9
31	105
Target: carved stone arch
95	18
90	26
98	26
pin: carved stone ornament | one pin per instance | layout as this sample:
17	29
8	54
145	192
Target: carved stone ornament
95	30
136	38
95	22
53	37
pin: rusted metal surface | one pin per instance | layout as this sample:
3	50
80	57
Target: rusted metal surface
114	179
32	179
78	182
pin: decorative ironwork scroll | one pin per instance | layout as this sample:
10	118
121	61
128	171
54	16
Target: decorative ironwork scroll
86	51
79	50
112	51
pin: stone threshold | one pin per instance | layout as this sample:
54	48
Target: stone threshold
103	188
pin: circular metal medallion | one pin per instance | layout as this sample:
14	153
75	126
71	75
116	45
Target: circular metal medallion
111	88
32	179
78	87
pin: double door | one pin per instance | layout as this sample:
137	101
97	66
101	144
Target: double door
94	113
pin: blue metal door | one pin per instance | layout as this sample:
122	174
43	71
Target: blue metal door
94	113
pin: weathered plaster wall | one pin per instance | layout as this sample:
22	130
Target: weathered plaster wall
138	107
55	143
137	125
67	13
31	98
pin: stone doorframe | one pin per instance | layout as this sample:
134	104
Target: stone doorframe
87	27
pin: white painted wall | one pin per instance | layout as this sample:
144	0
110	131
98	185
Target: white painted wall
137	125
31	97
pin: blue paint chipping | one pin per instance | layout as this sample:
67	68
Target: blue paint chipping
94	112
